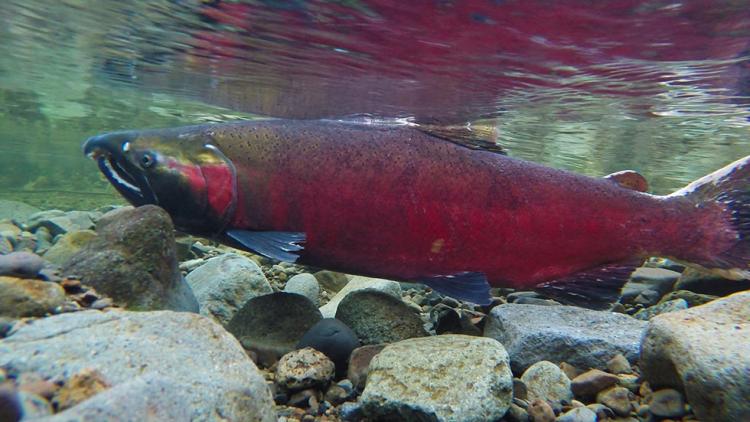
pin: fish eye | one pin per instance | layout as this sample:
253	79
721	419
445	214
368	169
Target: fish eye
148	160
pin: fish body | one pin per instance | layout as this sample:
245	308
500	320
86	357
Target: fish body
394	201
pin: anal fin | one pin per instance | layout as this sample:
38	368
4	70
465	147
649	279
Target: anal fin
282	246
595	288
469	286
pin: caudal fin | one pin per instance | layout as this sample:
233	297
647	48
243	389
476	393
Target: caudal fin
727	191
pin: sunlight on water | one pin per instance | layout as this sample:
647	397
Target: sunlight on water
658	87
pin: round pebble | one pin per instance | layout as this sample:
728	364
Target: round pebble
304	368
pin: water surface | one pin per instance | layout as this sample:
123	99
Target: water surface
657	86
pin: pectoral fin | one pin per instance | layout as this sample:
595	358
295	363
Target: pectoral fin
282	246
595	288
468	286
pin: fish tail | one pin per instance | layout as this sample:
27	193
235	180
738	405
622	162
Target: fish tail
726	193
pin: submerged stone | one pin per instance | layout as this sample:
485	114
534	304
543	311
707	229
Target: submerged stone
21	297
133	260
273	324
446	378
704	351
378	317
157	365
581	337
224	284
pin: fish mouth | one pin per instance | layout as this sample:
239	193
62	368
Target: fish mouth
108	151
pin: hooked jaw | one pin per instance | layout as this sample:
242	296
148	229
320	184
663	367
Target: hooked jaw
110	151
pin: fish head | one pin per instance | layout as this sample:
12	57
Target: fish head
177	169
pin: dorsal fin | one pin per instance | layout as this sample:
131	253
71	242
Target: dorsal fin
481	134
629	179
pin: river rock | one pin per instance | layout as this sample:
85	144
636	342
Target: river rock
68	245
223	284
661	308
158	365
591	382
617	399
133	260
692	298
659	280
582	337
378	317
359	364
540	411
444	378
21	264
58	222
304	368
709	283
306	285
578	414
360	283
334	339
705	352
20	297
331	281
14	210
546	381
272	325
667	403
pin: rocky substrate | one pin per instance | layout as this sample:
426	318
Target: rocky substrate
106	315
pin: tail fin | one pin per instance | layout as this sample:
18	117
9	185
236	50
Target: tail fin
729	190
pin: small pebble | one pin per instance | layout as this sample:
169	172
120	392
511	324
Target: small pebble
519	389
619	365
617	399
570	370
517	414
591	382
578	414
102	303
667	403
71	285
541	411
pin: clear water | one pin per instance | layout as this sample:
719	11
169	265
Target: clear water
662	87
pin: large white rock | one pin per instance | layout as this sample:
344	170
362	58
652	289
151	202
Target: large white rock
225	283
160	365
704	351
445	378
581	337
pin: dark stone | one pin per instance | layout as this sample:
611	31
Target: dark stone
707	283
273	324
10	406
451	321
334	339
378	317
133	260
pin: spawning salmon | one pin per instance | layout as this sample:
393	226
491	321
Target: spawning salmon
425	205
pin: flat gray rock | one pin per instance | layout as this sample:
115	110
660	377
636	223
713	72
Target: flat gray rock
379	317
704	351
272	325
360	283
582	337
160	365
449	377
223	284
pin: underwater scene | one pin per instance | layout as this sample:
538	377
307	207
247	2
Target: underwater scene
373	210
